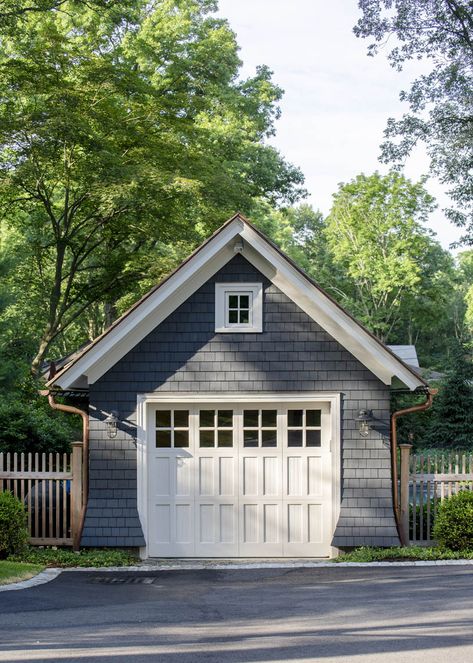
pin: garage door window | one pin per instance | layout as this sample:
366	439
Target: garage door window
215	428
260	428
303	428
172	429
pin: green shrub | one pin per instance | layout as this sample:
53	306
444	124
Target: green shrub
13	530
454	522
366	554
30	425
65	557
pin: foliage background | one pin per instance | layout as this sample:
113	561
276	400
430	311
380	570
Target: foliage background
127	136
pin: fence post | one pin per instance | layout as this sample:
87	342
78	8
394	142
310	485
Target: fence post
404	475
76	488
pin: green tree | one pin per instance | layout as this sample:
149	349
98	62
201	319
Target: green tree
299	232
465	269
119	133
452	421
441	101
377	240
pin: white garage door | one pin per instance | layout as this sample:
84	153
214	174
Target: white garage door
246	480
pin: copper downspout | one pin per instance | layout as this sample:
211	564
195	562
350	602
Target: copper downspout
403	536
85	458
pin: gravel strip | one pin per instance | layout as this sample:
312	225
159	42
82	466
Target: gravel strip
224	565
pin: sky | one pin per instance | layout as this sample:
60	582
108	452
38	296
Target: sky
337	99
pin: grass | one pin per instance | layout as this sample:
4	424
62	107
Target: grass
415	553
65	557
16	571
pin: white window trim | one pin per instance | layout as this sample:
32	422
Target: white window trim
176	399
255	324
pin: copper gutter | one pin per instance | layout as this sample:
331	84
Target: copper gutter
85	457
403	536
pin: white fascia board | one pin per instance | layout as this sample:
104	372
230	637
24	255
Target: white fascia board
153	310
323	311
238	397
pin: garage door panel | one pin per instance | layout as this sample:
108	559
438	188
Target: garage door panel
228	523
171	529
261	529
295	476
272	523
184	530
226	483
271	469
314	476
315	523
163	481
217	529
183	476
217	476
305	529
295	523
207	523
206	476
250	476
251	518
163	518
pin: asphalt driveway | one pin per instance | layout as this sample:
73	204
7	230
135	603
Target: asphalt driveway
341	614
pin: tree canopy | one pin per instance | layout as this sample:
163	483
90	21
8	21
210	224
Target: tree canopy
116	131
440	101
375	234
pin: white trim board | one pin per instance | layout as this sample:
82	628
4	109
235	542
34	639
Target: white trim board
203	264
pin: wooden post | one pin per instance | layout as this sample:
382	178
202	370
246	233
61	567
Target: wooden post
405	453
76	491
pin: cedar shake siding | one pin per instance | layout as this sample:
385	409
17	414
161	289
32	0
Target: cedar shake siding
293	354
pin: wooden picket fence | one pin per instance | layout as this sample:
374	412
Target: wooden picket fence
425	481
50	487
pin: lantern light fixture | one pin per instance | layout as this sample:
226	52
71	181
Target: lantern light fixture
112	424
364	417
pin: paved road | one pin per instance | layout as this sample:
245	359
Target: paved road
366	615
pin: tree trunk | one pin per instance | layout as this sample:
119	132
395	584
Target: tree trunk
38	359
110	313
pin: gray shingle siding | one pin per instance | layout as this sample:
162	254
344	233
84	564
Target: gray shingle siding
293	354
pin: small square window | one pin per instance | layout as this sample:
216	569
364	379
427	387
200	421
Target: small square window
163	419
238	307
181	418
181	438
163	439
294	438
250	438
294	418
207	418
225	438
207	438
250	418
225	418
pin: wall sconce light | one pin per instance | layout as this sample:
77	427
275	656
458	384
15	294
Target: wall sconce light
112	424
364	417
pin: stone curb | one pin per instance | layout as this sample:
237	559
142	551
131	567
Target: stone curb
44	576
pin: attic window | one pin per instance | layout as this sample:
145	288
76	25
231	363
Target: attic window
238	307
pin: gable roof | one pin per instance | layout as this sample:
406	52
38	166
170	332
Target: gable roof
89	364
407	353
